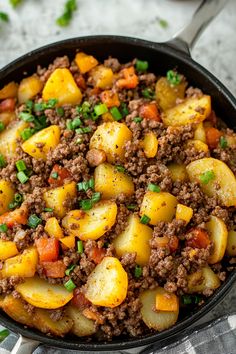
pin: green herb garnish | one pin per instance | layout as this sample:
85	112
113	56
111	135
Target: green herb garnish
137	119
80	247
15	3
120	168
84	186
163	23
116	113
70	285
148	93
141	66
69	7
153	188
138	271
145	219
4	17
69	270
34	221
223	142
22	177
2	161
173	77
206	177
4	334
3	228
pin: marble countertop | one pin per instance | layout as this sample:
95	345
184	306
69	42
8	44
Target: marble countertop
33	24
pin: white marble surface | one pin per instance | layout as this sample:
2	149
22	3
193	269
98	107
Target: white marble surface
33	25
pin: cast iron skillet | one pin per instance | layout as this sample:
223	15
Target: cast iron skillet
161	58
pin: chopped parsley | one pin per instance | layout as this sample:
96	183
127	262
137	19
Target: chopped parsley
4	17
173	77
206	177
15	3
223	142
69	7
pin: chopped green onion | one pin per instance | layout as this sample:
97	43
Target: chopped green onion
223	142
34	221
4	17
3	228
84	110
76	123
69	125
100	109
22	177
51	103
70	285
86	204
60	111
27	133
137	119
124	109
207	176
173	77
163	23
65	18
48	209
84	186
2	161
69	270
138	271
80	247
20	165
131	206
120	168
26	116
4	334
141	66
190	299
38	107
83	130
54	175
154	188
116	113
2	126
145	219
96	197
40	123
15	3
148	93
29	105
18	198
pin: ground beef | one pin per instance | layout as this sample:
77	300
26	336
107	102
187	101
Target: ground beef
112	63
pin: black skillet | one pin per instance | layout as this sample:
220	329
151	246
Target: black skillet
161	58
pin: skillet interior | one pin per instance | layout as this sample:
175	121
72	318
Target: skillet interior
161	57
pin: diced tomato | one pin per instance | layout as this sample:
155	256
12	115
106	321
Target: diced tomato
16	217
58	176
79	300
7	105
212	137
110	98
96	254
149	111
167	242
48	249
80	81
198	238
95	91
129	80
173	243
54	269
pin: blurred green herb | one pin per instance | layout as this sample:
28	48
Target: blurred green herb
3	334
65	18
4	17
163	23
15	3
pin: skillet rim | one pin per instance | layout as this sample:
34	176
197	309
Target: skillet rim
168	48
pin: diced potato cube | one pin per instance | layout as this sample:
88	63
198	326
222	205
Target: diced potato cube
200	133
192	110
6	195
111	183
45	324
218	235
167	301
158	206
68	241
53	228
82	326
135	238
102	77
223	183
29	88
56	198
7	249
202	280
7	117
23	265
198	145
9	91
39	293
42	142
85	62
158	320
150	145
111	137
107	285
9	137
93	223
231	244
178	172
167	94
15	308
183	212
62	86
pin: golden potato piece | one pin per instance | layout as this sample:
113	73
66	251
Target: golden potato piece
135	238
158	206
7	117
222	182
56	198
166	301
39	293
102	77
62	86
85	62
158	320
29	88
231	244
192	110
9	91
107	285
45	324
111	137
218	235
202	280
14	307
9	137
198	145
82	326
53	228
183	212
42	142
200	133
167	94
150	145
111	183
178	172
8	249
6	195
93	223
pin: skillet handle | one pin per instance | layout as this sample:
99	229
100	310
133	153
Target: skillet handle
25	346
186	38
